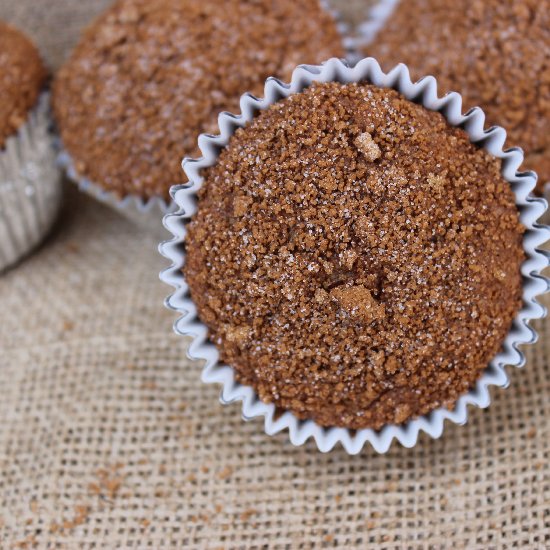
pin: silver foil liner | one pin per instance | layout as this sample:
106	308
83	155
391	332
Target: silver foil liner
534	283
30	186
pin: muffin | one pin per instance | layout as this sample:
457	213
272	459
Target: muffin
495	53
355	258
148	77
22	78
29	179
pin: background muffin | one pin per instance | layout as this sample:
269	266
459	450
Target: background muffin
356	258
22	78
497	54
29	179
148	77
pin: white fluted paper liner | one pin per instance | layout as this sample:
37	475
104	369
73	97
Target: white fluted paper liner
30	186
530	208
546	193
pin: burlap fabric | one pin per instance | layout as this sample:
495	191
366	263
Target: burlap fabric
108	439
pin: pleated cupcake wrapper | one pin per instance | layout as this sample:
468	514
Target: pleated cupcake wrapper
546	193
530	210
30	186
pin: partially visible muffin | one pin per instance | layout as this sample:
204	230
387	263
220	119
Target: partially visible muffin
148	77
497	54
30	181
356	258
22	78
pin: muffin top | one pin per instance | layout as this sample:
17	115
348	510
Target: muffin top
22	77
496	54
148	77
356	258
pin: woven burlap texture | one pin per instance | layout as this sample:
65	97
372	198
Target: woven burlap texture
108	439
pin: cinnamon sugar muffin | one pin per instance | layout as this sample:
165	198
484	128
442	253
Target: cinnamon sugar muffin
148	77
496	53
30	187
355	258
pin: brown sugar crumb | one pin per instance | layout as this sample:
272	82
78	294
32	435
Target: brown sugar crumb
363	226
402	412
321	296
348	258
237	335
368	146
370	302
358	301
494	53
437	182
241	205
148	77
22	78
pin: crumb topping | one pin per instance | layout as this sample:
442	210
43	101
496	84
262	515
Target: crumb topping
368	146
